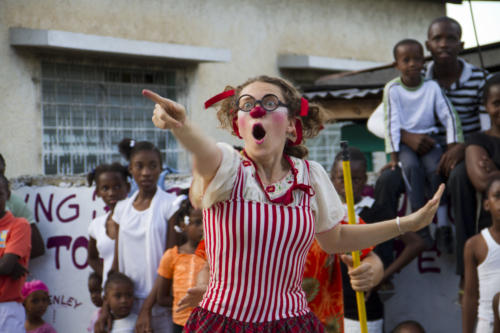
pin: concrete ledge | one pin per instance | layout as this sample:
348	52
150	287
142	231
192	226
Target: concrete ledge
182	180
293	61
71	41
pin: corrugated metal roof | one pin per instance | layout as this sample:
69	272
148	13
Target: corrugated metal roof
344	93
369	82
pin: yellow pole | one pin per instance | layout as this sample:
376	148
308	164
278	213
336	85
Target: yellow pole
346	167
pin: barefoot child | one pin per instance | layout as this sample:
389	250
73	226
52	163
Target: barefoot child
36	301
179	266
482	267
263	207
111	186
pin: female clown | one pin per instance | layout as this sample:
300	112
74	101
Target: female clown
263	207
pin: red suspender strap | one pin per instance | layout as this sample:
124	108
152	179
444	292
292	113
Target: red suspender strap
218	98
286	198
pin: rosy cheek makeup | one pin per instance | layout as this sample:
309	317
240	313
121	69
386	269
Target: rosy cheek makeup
242	121
279	115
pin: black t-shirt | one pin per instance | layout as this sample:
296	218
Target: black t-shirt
490	143
374	306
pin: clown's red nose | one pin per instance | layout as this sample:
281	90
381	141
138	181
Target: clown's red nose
257	112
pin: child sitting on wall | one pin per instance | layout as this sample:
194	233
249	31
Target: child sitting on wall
415	105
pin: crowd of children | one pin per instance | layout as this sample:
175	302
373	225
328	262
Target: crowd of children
262	230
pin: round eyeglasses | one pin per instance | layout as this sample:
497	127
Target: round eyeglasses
269	103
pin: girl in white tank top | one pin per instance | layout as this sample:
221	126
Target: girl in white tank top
489	282
482	268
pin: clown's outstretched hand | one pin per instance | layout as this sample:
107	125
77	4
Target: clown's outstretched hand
424	215
167	113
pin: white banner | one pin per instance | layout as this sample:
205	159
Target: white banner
63	216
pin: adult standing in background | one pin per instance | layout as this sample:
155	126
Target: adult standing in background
463	84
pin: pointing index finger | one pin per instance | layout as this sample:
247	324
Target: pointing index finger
153	96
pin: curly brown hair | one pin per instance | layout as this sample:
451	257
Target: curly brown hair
311	124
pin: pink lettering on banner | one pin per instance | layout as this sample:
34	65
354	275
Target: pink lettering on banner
427	261
65	241
57	242
65	301
40	205
47	208
75	207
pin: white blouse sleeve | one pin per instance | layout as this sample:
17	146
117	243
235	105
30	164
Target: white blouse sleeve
326	204
221	185
118	211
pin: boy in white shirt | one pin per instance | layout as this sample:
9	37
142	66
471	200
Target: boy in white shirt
415	104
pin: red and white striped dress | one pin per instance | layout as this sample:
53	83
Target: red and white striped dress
256	253
257	249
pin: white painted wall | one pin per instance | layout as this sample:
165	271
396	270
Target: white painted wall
255	32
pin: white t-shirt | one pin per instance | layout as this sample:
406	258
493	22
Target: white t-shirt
325	204
418	110
105	245
124	325
142	238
